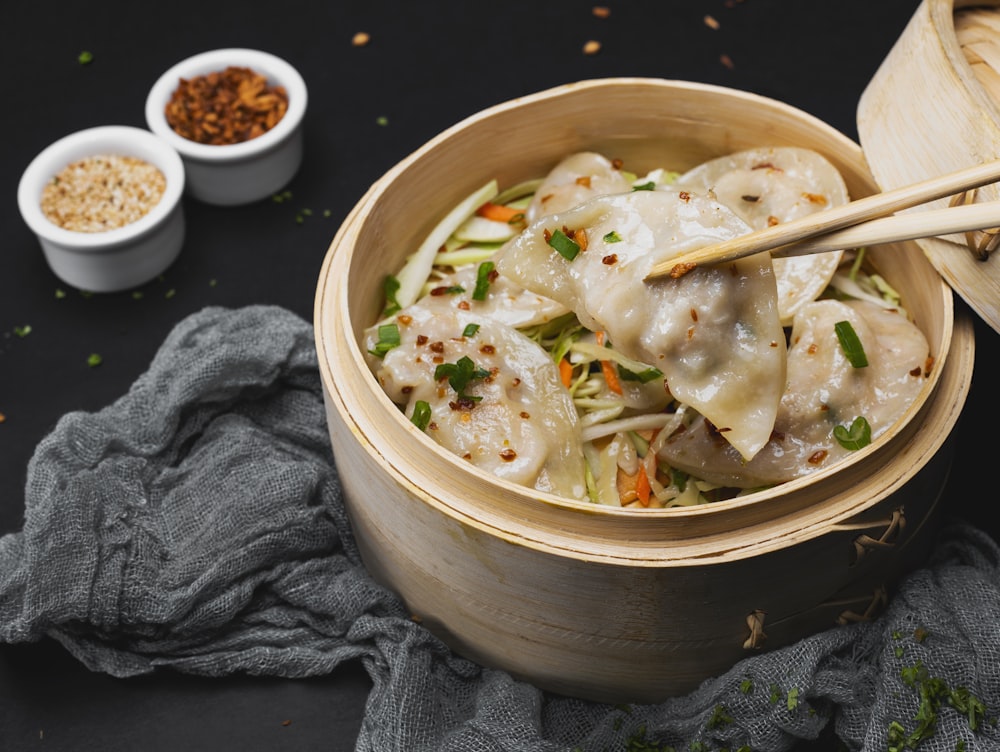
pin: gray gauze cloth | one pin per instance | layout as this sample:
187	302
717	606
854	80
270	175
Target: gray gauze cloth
197	524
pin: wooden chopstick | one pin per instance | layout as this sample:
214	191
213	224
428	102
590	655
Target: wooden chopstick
864	210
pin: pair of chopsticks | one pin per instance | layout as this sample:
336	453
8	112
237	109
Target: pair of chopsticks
859	223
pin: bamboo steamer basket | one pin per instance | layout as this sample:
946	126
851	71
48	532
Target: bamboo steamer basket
595	602
932	107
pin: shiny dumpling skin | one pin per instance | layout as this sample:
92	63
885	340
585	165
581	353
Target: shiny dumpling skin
505	301
524	430
714	332
824	390
575	179
774	185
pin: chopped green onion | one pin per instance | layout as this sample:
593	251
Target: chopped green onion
94	360
858	436
460	374
643	377
470	330
851	344
563	245
421	415
483	280
388	338
22	331
612	237
85	57
650	186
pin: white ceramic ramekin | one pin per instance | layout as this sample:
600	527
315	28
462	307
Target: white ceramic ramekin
241	173
119	258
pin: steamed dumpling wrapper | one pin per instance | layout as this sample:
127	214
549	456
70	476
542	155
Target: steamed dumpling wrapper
523	428
577	178
824	390
714	332
774	185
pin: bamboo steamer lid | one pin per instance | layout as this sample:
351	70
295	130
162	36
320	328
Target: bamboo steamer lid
932	107
620	604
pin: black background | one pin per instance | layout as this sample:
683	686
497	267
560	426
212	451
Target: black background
427	66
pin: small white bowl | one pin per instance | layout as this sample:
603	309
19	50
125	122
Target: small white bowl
232	174
122	257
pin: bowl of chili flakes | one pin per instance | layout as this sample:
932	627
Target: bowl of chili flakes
235	117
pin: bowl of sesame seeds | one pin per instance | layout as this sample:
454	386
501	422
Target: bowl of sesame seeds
105	205
235	117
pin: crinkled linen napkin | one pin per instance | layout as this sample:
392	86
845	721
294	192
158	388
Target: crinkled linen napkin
197	524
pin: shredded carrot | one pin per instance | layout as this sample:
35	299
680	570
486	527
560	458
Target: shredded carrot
566	372
499	212
608	369
642	489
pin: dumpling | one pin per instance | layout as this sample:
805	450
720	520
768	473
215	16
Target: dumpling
713	332
575	179
774	185
504	300
518	422
824	390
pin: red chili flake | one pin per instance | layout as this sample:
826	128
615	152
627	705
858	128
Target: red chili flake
812	349
422	339
815	198
694	315
437	347
508	455
679	270
817	457
601	11
583	180
487	350
610	260
726	61
711	23
617	164
750	199
591	47
525	414
405	319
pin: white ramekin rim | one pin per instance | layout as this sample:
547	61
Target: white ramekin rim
103	139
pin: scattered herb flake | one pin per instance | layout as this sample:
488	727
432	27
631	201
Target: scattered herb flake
858	436
212	282
850	343
720	717
388	338
483	274
792	698
389	288
94	360
60	293
612	237
137	295
382	120
746	686
421	415
22	331
460	374
170	293
85	57
650	186
564	245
